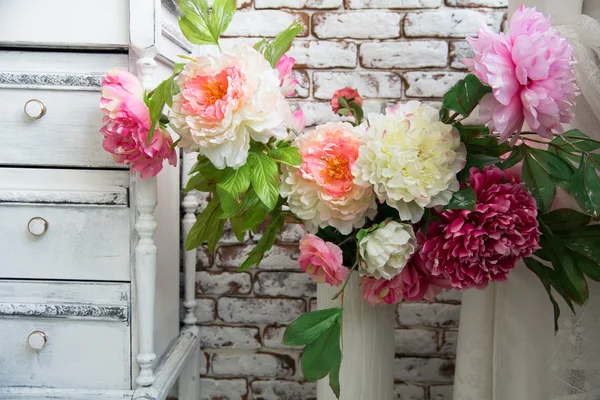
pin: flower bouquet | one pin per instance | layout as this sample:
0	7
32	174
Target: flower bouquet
413	200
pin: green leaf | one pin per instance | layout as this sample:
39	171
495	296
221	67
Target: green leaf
287	155
235	183
538	182
591	232
579	139
476	161
265	242
250	213
260	46
334	373
321	356
156	102
282	42
220	18
487	146
357	112
544	274
308	327
205	227
552	163
464	199
200	183
565	220
465	95
194	23
515	157
586	257
264	175
208	170
468	133
585	187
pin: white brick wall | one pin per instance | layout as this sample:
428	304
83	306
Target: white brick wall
390	50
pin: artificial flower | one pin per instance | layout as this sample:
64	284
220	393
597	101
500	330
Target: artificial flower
287	82
224	101
299	121
530	73
351	96
411	159
475	247
322	191
322	260
386	250
127	124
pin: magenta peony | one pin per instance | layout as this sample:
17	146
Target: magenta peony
530	74
351	95
322	260
474	248
127	123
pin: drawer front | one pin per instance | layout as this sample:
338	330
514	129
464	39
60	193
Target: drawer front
65	335
65	23
65	242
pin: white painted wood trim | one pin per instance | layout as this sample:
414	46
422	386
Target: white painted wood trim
367	371
21	393
190	205
189	380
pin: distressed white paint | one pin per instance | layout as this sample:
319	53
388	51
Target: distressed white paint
190	205
24	61
367	371
26	393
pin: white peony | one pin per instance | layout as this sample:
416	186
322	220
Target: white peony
387	250
411	158
226	99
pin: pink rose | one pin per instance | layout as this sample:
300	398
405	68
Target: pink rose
127	123
287	81
351	96
322	260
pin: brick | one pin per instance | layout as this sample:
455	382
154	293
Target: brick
459	51
261	23
413	54
259	364
284	390
260	311
449	296
320	112
449	344
240	3
397	4
212	282
273	337
228	237
312	306
357	24
368	84
203	258
291	233
223	389
416	342
409	392
428	314
430	370
450	23
231	337
430	84
302	89
299	4
280	257
323	54
287	284
205	310
203	363
477	3
441	392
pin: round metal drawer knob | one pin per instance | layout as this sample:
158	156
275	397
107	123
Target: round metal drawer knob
37	340
34	109
37	226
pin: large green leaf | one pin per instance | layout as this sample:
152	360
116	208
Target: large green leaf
287	155
488	146
308	327
565	220
553	164
282	42
539	182
250	213
586	257
206	227
578	139
470	132
464	199
544	273
235	183
590	232
264	175
476	161
156	102
321	356
194	23
265	242
513	159
465	95
200	183
585	187
220	18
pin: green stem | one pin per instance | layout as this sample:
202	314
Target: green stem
345	241
348	278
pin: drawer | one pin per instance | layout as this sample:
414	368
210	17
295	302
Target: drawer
80	332
79	243
65	23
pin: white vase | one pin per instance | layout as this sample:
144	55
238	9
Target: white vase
368	346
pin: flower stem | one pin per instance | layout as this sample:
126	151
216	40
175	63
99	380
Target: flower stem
346	281
343	242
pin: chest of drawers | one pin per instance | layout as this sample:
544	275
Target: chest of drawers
89	252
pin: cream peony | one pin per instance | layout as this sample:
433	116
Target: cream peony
411	158
387	250
322	192
224	101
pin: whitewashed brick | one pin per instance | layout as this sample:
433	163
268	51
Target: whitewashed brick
204	258
409	392
430	84
260	365
240	3
428	314
320	112
368	84
280	257
449	296
203	363
430	370
260	311
284	390
263	23
298	4
205	310
450	22
302	89
413	54
291	233
312	306
357	24
213	282
477	3
449	344
323	54
441	392
416	342
458	52
223	389
285	284
231	337
394	4
273	337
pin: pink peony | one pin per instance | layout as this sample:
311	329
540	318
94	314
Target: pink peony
473	248
299	121
322	260
530	74
286	81
351	96
127	123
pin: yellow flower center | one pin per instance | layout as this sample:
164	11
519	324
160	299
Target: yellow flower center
337	168
214	89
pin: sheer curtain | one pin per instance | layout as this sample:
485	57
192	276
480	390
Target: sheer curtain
507	349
